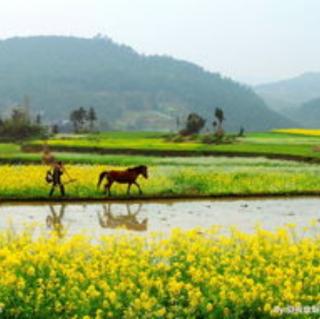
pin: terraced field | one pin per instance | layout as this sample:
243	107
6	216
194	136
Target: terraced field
22	175
272	144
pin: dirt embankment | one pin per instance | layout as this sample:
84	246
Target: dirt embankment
159	198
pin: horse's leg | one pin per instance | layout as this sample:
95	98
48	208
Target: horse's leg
108	187
140	191
129	187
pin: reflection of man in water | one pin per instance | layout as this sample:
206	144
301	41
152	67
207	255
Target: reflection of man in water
54	221
55	178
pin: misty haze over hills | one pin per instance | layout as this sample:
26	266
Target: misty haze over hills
297	98
128	90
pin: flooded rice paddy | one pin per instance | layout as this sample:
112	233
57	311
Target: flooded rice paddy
106	218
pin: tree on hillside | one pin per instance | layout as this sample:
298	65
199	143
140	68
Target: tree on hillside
55	129
19	126
38	119
194	124
92	118
178	123
19	116
241	132
217	124
78	118
83	120
74	118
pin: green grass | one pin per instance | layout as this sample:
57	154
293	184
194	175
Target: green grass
267	143
78	149
255	143
9	148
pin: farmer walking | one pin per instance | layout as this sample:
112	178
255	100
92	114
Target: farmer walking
54	177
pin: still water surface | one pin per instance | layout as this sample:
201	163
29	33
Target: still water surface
105	218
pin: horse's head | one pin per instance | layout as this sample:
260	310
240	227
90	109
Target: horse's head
144	171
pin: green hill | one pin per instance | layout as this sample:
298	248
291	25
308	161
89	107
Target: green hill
297	98
309	114
291	93
128	90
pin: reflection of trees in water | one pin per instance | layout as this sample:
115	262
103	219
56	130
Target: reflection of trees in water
128	221
54	220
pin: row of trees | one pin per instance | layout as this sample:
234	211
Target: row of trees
20	125
83	120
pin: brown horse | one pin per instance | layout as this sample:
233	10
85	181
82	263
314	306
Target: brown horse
128	176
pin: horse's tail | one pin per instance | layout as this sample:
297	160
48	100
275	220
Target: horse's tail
101	177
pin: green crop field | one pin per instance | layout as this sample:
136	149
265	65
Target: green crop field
269	143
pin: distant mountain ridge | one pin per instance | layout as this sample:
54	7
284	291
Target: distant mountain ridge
309	113
128	90
297	98
296	90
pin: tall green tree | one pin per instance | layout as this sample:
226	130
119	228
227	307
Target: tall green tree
218	123
92	118
194	124
78	119
74	118
82	115
38	119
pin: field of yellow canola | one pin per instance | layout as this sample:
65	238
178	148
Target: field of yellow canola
194	274
28	181
299	131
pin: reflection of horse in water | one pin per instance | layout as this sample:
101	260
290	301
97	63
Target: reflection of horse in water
54	221
129	221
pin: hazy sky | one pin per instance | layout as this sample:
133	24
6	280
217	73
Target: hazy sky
248	40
